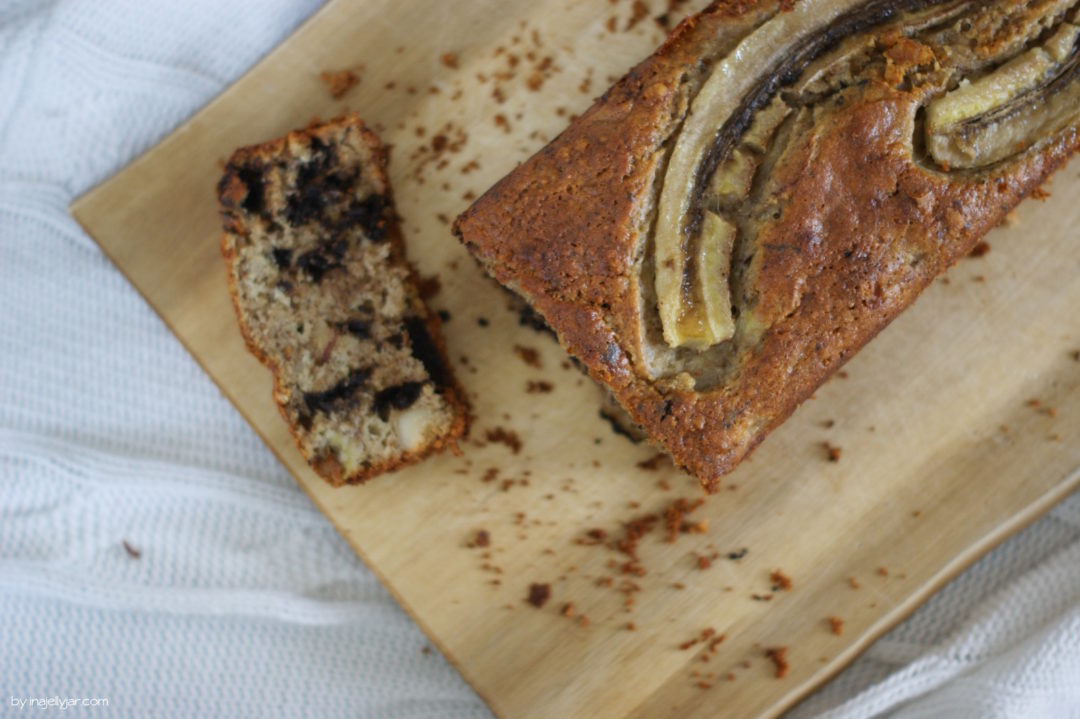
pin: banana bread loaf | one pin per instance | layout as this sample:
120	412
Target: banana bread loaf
750	205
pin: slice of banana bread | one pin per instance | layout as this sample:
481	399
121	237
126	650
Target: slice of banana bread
326	299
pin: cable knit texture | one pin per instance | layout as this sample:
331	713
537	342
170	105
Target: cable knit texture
243	600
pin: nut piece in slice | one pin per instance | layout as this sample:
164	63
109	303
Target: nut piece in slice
325	298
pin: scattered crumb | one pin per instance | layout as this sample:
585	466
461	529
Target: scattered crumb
502	123
761	597
638	12
631	627
592	537
567	610
833	453
737	555
508	437
584	88
672	519
538	387
425	650
979	250
340	82
528	355
705	635
481	539
778	655
674	515
131	551
853	583
449	59
883	571
781	580
836	625
652	463
429	287
538	594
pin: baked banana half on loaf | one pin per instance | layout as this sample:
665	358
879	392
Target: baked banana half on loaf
750	205
325	298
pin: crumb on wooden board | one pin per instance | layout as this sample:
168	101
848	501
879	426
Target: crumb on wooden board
339	82
538	594
778	656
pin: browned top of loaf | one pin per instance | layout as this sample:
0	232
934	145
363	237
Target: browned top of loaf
563	229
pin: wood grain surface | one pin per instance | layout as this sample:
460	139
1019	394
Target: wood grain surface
942	449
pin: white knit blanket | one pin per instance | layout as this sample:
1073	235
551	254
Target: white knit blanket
243	601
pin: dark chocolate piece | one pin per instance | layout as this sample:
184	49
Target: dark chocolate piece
282	257
255	202
425	350
399	396
370	215
361	329
326	400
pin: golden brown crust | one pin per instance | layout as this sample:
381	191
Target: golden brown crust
564	229
231	193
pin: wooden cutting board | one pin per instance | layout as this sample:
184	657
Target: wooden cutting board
956	427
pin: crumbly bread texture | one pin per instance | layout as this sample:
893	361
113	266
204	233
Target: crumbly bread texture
325	298
749	206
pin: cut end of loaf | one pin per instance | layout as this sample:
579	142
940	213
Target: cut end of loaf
325	298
